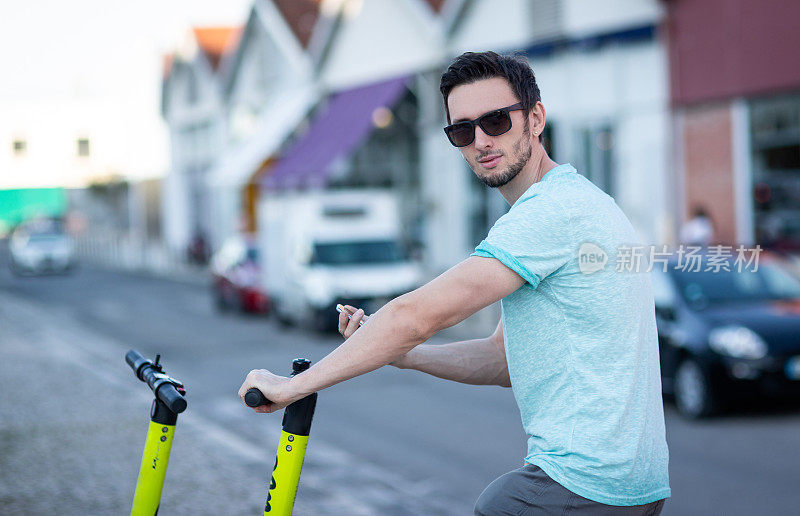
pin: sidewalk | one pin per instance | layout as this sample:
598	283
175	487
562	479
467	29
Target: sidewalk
136	257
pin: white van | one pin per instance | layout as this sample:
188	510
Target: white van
328	247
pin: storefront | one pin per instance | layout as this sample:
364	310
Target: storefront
775	149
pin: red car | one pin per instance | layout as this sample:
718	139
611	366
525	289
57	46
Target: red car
236	277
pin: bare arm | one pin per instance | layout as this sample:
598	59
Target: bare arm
476	362
396	329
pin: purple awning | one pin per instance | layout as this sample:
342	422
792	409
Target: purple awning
335	131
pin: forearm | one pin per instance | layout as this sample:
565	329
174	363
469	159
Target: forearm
476	362
388	334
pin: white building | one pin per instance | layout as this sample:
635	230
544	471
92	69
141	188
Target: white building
268	89
600	65
366	55
193	107
72	142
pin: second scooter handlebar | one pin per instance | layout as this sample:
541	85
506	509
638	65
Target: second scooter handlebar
163	386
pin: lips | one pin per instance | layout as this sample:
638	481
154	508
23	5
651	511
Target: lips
490	161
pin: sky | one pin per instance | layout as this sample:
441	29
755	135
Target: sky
56	51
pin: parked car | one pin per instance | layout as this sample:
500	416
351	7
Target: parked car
40	247
727	334
236	274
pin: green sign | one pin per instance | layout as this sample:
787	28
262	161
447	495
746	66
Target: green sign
23	204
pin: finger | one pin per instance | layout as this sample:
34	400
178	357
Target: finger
353	311
342	322
352	326
359	316
243	390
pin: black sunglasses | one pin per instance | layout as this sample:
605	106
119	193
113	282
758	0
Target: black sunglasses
493	123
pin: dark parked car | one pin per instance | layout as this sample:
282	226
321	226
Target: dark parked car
727	334
236	277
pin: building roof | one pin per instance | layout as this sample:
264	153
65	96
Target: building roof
215	42
166	64
436	5
300	16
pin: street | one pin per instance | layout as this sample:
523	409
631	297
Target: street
391	442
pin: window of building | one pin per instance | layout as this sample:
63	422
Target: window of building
547	140
192	93
19	147
594	153
775	144
83	147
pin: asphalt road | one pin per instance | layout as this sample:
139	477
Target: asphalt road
390	442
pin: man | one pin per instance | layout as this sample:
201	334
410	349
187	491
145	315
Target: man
577	344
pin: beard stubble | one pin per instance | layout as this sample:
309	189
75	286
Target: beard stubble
523	150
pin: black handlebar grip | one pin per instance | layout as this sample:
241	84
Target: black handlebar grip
134	360
171	398
255	398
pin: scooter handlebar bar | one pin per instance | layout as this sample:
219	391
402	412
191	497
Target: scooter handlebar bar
135	360
171	398
164	387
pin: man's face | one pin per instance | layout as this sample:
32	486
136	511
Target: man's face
496	160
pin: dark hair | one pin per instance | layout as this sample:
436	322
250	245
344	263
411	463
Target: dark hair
470	67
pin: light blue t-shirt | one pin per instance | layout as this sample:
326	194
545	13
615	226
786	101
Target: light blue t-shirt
581	342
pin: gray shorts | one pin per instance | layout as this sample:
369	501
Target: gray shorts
529	491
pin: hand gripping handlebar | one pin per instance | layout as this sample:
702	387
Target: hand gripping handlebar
255	398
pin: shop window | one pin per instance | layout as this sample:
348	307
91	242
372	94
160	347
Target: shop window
192	87
83	147
594	156
547	140
775	144
19	147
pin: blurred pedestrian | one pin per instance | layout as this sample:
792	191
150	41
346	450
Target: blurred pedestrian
198	249
579	349
699	230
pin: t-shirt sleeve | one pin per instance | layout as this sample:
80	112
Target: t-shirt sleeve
532	239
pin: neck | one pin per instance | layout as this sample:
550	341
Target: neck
533	172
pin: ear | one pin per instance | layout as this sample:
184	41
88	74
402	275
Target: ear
536	119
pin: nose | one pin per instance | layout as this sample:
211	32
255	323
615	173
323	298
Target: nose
482	140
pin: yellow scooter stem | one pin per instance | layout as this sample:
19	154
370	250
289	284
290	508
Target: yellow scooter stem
155	459
291	447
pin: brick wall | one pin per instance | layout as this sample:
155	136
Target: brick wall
708	165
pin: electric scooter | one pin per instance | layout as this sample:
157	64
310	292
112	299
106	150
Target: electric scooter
291	446
169	402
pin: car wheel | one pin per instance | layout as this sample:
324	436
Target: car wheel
12	265
242	304
694	394
219	300
283	320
